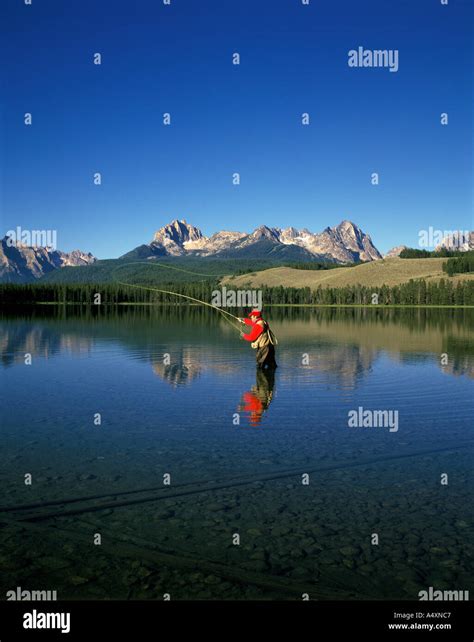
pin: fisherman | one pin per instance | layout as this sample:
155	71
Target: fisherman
262	339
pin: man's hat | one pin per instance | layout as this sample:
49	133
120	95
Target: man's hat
255	313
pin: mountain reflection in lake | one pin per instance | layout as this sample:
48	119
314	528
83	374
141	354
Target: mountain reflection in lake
177	393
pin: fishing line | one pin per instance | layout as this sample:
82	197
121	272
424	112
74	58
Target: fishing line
178	294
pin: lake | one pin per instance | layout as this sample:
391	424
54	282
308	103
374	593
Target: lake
164	466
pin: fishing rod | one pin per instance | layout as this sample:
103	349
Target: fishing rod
178	294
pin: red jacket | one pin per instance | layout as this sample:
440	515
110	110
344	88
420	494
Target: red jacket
256	331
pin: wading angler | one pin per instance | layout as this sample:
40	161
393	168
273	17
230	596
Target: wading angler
261	339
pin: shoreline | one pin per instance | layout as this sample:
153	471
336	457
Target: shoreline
269	305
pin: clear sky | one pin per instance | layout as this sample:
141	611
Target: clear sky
229	118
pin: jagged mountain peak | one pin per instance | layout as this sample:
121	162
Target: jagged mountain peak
173	237
344	243
263	231
395	251
292	232
345	224
178	231
348	229
23	263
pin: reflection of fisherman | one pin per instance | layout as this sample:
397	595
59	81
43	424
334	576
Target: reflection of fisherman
261	338
257	400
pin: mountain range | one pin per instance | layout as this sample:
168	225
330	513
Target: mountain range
344	244
22	263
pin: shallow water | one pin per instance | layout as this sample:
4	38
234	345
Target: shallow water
203	414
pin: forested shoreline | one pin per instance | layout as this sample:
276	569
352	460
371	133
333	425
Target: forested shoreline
414	292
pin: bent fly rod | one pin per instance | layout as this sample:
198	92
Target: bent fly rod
178	294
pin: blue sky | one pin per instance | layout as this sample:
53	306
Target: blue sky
227	118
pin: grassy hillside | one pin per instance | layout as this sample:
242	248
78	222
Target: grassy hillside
375	274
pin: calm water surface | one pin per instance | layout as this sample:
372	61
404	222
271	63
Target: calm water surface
178	394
